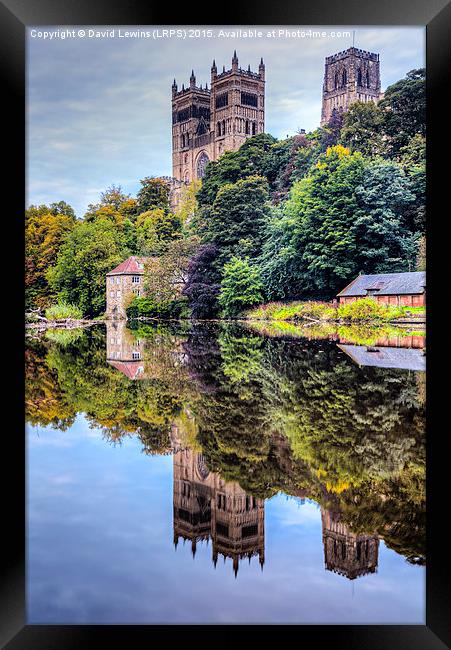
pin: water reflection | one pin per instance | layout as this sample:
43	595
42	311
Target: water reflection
208	508
247	412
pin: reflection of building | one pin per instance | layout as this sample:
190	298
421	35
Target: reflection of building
206	122
386	357
346	553
349	76
123	351
122	284
206	507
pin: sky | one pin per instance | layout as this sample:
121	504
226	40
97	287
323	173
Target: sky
99	108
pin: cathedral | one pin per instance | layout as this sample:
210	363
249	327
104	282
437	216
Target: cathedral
350	76
208	121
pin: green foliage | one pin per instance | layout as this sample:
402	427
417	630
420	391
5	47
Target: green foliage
149	308
155	229
238	218
232	166
154	193
404	106
363	129
90	251
241	286
62	311
368	309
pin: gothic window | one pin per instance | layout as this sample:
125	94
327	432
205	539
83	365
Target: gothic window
345	78
359	77
249	99
202	162
187	176
222	100
336	80
223	127
183	140
247	127
254	128
367	79
186	158
218	128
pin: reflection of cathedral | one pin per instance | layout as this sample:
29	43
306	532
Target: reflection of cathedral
206	507
346	553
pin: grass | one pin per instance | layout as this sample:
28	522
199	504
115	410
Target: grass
62	311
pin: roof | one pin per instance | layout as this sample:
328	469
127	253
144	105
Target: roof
130	266
387	284
131	369
402	358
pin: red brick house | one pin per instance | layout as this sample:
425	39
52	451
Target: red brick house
390	288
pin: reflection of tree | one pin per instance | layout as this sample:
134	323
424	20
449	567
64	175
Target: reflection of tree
45	402
272	414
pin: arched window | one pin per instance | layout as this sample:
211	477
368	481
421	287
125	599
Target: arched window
247	127
218	128
367	79
359	77
202	162
344	78
223	127
183	140
254	128
336	81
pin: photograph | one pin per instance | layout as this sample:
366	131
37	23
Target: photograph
225	305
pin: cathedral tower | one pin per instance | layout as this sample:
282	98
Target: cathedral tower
349	76
207	122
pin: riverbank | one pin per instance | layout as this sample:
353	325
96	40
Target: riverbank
364	311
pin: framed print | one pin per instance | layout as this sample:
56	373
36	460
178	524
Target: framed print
227	420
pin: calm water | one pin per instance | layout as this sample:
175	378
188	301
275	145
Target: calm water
222	474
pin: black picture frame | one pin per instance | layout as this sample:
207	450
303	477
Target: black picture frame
15	16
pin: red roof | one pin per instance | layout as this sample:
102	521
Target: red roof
130	266
129	368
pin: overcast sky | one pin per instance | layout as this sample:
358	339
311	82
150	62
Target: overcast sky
99	109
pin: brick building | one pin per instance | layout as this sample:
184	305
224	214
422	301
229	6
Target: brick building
122	283
208	121
349	76
389	288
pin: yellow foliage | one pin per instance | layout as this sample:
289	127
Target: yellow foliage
339	150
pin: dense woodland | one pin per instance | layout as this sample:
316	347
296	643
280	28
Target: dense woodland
266	412
276	220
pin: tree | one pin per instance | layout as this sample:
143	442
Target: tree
347	216
45	230
203	282
363	129
241	286
404	106
154	193
249	160
188	205
90	251
155	229
165	276
238	218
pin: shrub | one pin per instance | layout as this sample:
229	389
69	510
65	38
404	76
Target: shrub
148	308
241	286
367	309
63	310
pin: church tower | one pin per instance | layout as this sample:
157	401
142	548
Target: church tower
207	122
349	76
